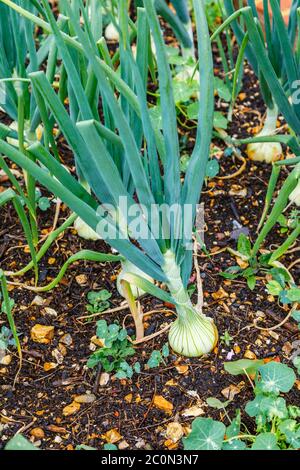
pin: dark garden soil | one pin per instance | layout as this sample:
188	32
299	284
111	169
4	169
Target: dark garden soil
126	409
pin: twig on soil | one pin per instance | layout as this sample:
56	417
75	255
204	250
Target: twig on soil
110	310
294	307
153	335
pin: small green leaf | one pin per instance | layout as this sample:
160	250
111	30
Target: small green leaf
222	90
294	294
251	282
244	245
44	204
220	121
242	366
216	403
212	168
110	447
274	288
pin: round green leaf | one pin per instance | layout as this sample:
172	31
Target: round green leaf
206	434
276	378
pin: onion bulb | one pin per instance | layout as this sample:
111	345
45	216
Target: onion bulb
192	334
111	33
30	137
266	151
128	267
85	231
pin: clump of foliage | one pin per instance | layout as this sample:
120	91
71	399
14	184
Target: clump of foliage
277	424
98	301
116	348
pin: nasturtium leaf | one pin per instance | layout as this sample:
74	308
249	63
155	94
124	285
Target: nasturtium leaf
296	363
110	447
242	366
234	428
184	163
265	441
274	407
291	429
222	89
220	121
212	168
234	444
154	359
44	203
165	350
184	89
193	110
19	442
253	407
296	315
276	378
206	434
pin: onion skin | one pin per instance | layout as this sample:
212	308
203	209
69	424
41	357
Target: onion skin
84	231
192	334
128	267
267	152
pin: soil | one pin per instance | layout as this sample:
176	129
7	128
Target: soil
39	397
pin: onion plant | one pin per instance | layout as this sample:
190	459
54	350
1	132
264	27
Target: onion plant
274	57
145	157
24	51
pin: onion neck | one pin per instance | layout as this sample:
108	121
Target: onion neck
270	122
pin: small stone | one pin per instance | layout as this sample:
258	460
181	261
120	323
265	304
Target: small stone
128	398
104	379
62	349
86	398
81	279
236	349
66	339
38	300
182	369
6	360
56	429
57	356
163	404
123	445
112	436
37	433
71	409
49	311
49	366
42	334
97	341
249	354
174	431
58	440
220	294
